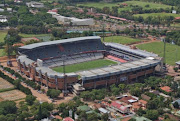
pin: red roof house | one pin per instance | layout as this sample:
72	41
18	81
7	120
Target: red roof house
166	89
117	106
68	119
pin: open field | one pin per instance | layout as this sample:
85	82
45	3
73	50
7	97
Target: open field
139	3
121	40
2	35
12	95
5	85
85	65
157	14
158	48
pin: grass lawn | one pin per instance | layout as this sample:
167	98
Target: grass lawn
85	65
121	39
157	14
2	35
158	48
140	3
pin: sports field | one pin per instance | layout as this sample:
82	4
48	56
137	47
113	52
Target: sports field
85	65
139	3
121	39
158	48
157	14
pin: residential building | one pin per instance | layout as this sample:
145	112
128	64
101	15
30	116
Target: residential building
166	89
68	119
34	4
3	19
118	107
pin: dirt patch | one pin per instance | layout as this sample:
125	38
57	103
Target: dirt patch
5	84
12	95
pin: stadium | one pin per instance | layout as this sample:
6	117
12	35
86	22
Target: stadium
85	61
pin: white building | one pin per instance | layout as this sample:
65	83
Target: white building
34	4
3	19
73	21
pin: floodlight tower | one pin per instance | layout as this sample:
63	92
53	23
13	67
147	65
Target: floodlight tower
64	73
103	32
164	56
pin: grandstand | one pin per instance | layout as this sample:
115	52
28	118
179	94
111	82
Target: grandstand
37	60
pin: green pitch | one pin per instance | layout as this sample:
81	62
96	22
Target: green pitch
158	47
85	65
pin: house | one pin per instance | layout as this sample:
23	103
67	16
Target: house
103	111
141	118
166	89
53	11
135	106
68	119
17	1
3	19
155	92
142	103
9	9
145	97
1	10
118	107
129	99
34	4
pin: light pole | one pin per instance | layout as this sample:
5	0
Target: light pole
64	73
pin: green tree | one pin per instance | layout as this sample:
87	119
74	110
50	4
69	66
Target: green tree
53	93
152	114
30	99
7	107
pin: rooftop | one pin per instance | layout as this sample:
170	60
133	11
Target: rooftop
35	45
166	89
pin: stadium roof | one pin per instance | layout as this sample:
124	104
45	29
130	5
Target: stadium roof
35	45
26	60
52	73
133	51
117	69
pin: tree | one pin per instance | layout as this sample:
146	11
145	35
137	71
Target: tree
53	93
105	117
152	114
30	99
7	107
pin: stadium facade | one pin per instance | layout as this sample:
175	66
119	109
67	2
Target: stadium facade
36	61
